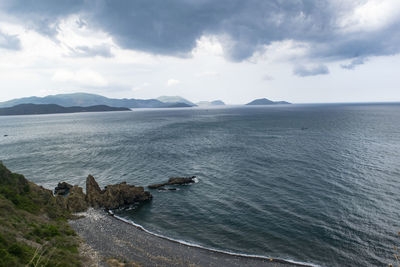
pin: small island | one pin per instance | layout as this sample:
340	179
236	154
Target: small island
264	101
211	103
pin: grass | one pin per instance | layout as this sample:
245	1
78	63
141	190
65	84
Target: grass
33	226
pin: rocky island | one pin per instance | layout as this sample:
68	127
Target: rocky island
174	181
264	101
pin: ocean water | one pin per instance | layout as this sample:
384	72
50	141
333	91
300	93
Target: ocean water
310	183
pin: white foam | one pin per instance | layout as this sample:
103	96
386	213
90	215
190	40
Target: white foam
209	249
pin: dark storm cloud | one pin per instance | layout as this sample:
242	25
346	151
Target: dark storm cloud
9	41
41	15
304	71
86	51
171	27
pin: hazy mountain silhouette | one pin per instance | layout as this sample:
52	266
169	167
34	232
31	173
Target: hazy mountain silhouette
175	99
86	100
264	101
30	109
211	103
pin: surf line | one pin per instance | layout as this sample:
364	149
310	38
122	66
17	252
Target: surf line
140	227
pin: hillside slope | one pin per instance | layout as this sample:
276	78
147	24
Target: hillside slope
33	227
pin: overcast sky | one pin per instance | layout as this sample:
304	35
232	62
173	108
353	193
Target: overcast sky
301	51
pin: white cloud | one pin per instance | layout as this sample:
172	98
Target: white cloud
173	82
268	77
207	73
285	50
82	77
140	87
72	32
372	15
208	45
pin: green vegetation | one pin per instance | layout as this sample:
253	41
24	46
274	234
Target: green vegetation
33	226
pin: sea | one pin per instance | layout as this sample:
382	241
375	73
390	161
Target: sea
316	184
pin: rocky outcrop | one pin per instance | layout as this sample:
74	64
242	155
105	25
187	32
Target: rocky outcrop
174	181
93	192
111	197
62	189
114	196
120	195
70	197
76	200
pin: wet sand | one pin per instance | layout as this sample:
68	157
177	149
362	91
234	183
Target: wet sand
111	237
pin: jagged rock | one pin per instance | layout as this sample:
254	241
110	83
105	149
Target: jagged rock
62	189
76	200
114	196
93	192
73	200
120	195
174	181
111	197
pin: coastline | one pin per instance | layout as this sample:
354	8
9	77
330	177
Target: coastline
115	237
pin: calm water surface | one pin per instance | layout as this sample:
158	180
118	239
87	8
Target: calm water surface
311	183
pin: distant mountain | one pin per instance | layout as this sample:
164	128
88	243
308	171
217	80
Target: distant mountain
175	99
217	103
179	105
264	101
212	103
30	109
86	100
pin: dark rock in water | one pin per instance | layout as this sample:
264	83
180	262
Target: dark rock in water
167	189
156	186
181	180
62	189
5	135
174	181
114	196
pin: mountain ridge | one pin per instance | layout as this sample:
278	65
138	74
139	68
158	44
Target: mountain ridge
39	109
175	99
87	100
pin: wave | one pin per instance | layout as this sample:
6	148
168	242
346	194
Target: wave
140	227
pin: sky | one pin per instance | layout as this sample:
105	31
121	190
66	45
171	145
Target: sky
302	51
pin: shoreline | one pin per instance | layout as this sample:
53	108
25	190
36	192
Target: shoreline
113	236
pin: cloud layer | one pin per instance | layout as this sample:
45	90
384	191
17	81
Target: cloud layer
332	30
